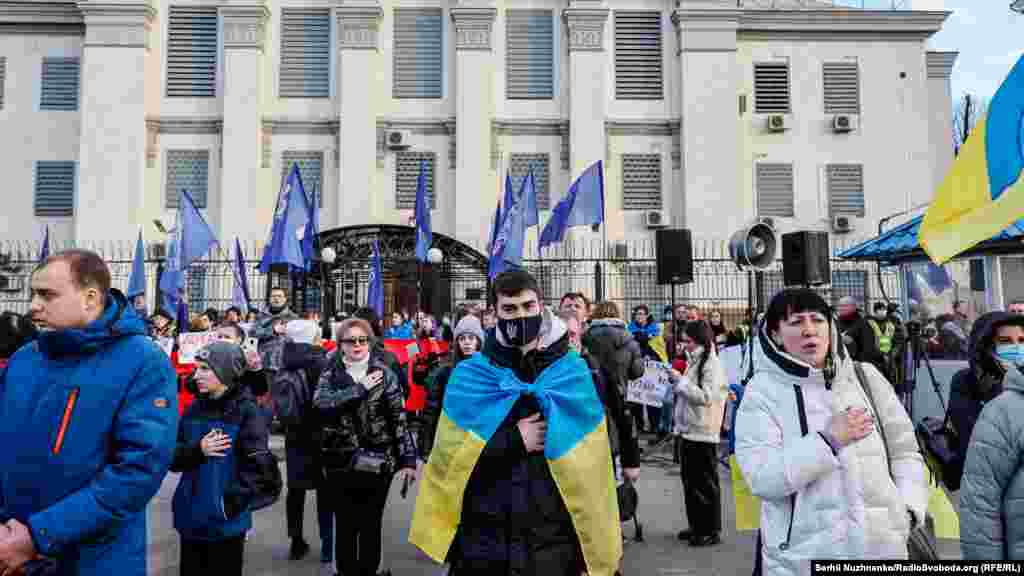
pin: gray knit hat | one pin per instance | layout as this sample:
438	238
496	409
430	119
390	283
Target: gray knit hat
470	324
225	359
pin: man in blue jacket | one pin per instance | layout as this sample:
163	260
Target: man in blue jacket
88	418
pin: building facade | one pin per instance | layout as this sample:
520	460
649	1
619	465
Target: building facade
706	113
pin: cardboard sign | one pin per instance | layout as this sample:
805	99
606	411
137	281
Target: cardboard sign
166	344
190	343
653	387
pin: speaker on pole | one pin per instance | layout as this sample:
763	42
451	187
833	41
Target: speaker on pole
754	246
805	258
674	253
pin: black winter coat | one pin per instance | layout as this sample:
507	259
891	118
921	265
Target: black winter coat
616	352
861	342
514	521
354	417
437	383
294	384
621	429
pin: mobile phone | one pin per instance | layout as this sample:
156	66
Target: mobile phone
251	345
405	487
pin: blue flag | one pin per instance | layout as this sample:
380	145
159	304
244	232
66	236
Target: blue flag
508	247
191	239
312	229
240	295
583	205
424	234
528	190
938	278
510	198
375	293
137	280
44	250
171	282
182	316
290	218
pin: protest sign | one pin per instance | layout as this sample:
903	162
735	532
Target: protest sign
190	343
653	387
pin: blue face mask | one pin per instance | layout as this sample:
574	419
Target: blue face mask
1012	354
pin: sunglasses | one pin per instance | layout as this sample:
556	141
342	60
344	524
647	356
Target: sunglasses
357	341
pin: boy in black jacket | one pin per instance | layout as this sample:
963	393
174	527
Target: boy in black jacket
222	447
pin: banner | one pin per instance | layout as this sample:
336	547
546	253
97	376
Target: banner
653	387
190	343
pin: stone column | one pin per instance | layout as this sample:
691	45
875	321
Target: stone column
588	93
244	23
940	113
709	135
358	31
112	145
474	110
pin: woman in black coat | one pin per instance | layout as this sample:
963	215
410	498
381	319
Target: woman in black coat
615	350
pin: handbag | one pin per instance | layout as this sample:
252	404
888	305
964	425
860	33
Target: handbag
940	441
269	483
921	544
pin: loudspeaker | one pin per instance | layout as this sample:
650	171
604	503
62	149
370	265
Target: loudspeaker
754	246
674	252
977	275
805	259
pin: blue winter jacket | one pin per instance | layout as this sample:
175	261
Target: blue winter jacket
403	332
88	418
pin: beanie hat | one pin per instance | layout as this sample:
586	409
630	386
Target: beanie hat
470	324
225	359
302	331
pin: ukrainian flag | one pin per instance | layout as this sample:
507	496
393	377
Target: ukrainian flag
478	398
984	190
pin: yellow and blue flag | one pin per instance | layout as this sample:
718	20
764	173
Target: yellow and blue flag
984	190
478	398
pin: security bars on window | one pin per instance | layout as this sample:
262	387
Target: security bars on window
529	56
771	88
845	189
775	190
187	170
842	87
521	165
55	188
638	65
305	53
310	170
60	84
641	181
418	53
407	171
192	52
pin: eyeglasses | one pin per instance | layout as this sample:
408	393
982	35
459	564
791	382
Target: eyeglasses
357	341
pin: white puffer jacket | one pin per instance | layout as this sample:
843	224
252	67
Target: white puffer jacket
845	507
700	406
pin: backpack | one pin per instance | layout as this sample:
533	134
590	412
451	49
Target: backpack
269	483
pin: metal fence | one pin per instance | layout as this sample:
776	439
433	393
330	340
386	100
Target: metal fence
624	273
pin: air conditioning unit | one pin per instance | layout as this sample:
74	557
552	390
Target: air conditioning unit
777	123
397	139
843	123
655	219
842	223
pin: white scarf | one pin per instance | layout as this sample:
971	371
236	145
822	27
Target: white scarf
357	370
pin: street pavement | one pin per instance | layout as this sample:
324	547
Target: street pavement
660	554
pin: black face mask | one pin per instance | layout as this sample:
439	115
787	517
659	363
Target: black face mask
520	331
276	309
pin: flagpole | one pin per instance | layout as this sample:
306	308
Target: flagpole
604	235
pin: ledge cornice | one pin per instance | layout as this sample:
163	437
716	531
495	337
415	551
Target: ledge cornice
185	125
52	12
940	64
281	125
586	28
244	24
120	23
835	22
474	27
358	27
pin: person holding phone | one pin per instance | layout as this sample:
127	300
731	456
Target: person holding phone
364	442
221	438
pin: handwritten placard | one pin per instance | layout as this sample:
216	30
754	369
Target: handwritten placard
653	387
190	343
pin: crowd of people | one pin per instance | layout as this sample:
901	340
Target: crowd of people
818	428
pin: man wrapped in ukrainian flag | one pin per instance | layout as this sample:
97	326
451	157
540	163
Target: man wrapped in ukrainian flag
520	477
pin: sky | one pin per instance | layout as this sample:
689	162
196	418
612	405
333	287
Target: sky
988	36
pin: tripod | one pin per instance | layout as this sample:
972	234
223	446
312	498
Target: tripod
912	358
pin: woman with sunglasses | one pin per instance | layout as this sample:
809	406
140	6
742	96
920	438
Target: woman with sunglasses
365	440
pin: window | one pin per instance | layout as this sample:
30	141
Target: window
197	288
3	76
55	188
641	181
60	84
310	170
842	87
638	73
845	189
407	172
305	53
520	167
775	190
771	88
192	52
187	170
530	55
418	54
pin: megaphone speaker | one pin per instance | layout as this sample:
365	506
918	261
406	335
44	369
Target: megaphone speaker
754	246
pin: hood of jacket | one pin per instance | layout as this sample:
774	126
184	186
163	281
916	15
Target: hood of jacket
117	321
1014	380
980	344
298	356
768	357
554	343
